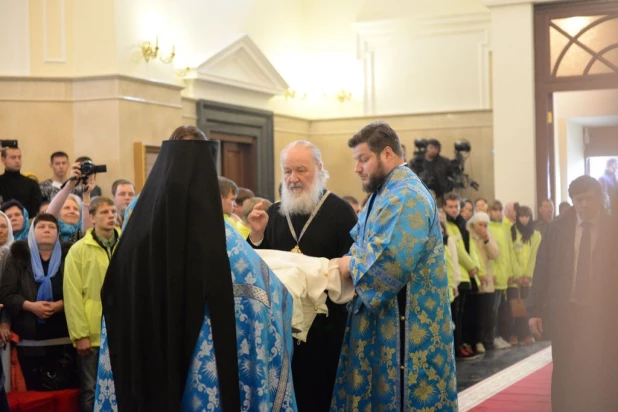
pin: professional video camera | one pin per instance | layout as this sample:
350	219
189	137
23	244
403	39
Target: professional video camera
457	177
417	164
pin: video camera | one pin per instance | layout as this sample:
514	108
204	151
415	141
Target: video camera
87	168
449	175
457	177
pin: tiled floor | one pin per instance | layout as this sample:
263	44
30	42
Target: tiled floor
472	372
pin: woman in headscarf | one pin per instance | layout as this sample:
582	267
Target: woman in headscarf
19	218
6	240
31	291
71	212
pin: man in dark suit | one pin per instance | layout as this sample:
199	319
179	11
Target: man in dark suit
573	301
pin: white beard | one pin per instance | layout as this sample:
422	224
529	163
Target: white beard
301	203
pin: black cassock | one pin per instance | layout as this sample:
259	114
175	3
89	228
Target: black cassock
314	365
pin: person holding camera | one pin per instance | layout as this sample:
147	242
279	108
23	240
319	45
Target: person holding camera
15	186
89	165
432	168
71	211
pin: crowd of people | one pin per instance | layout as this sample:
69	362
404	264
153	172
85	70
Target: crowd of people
131	324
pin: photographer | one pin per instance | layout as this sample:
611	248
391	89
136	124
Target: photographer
71	211
97	190
433	169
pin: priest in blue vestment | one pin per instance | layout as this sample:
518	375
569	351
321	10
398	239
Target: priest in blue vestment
193	319
397	352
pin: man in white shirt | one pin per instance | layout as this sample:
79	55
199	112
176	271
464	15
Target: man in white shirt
573	301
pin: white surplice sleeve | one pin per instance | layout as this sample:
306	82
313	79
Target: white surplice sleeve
308	279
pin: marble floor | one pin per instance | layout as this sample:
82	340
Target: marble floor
470	373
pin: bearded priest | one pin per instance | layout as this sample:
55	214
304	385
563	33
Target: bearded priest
315	222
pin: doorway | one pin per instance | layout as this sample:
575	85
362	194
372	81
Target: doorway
246	139
238	159
575	50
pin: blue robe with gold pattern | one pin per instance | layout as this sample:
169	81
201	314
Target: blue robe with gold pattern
264	339
398	244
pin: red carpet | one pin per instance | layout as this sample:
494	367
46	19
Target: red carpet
530	394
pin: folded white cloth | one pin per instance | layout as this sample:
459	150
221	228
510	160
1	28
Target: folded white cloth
308	279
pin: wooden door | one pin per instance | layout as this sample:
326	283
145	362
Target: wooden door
238	159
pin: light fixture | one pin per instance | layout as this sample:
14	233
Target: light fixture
183	72
343	96
293	94
151	52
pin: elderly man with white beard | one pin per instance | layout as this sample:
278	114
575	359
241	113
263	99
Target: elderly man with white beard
312	221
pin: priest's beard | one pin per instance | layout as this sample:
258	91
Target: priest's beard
304	202
376	179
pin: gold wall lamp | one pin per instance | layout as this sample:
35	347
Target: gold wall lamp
150	52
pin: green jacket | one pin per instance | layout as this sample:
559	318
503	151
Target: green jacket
84	272
467	261
502	267
524	255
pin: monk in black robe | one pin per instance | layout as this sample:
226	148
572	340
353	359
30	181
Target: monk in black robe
315	222
170	262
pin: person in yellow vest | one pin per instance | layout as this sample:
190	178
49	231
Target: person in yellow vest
501	268
484	245
84	272
468	269
525	241
229	191
452	262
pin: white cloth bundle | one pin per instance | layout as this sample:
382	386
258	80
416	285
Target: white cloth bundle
308	279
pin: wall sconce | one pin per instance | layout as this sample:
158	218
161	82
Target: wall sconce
343	96
183	72
293	94
151	52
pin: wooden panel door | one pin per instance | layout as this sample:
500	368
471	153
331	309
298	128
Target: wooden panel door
238	159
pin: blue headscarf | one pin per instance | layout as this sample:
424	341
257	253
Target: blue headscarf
45	293
23	233
67	231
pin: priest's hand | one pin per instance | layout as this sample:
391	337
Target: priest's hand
258	219
536	325
344	267
83	347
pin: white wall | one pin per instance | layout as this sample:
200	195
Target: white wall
200	28
14	38
435	58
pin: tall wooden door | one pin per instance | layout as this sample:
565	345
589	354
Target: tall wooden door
238	159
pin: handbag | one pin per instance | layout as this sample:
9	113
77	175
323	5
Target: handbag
518	306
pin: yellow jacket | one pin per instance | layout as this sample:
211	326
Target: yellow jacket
84	272
501	267
466	261
524	255
452	267
239	226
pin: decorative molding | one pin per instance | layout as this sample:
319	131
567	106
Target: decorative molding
63	36
243	65
368	33
496	3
